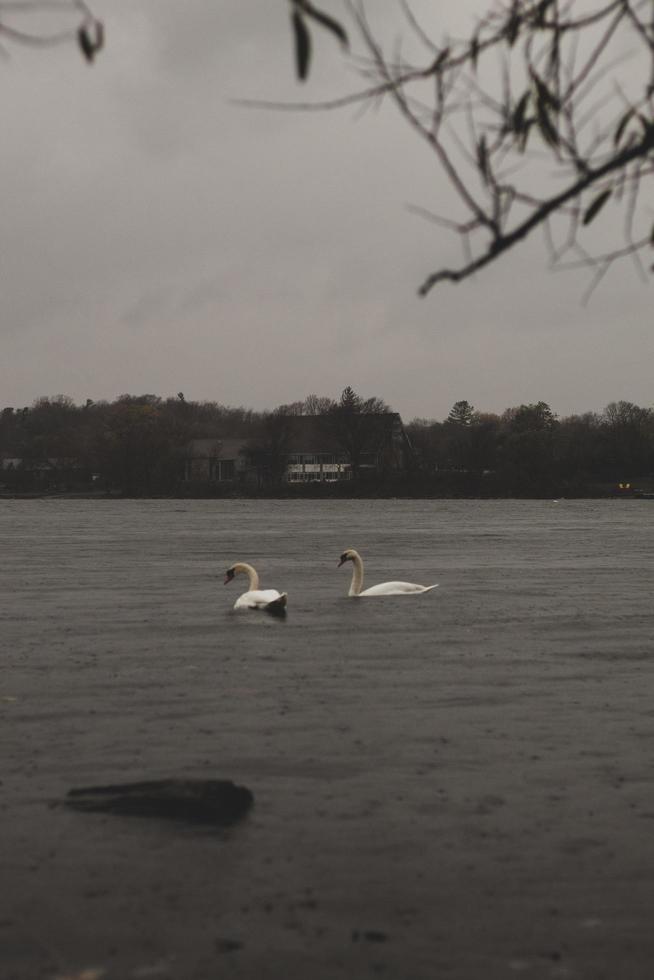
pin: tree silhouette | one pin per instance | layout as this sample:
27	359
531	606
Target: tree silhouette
357	424
461	413
79	24
562	132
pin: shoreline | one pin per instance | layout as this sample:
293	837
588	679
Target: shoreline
646	495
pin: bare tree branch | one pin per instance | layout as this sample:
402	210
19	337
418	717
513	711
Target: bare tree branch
540	215
523	149
85	29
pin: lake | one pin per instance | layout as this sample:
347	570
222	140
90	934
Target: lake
456	785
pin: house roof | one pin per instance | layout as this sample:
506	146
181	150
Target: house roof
314	434
303	434
215	448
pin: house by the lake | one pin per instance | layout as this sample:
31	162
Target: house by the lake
297	449
215	461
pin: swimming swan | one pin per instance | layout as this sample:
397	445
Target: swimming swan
384	588
255	598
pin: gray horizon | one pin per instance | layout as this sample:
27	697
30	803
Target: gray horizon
159	237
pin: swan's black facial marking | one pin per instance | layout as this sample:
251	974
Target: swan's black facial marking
344	557
229	575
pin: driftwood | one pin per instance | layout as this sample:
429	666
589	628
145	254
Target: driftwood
202	801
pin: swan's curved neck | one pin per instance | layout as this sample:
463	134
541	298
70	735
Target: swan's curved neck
243	568
357	575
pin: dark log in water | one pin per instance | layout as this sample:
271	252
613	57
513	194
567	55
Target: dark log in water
203	801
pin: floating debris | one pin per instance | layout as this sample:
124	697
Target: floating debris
228	945
204	801
370	935
91	973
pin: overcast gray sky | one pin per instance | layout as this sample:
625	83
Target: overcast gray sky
155	237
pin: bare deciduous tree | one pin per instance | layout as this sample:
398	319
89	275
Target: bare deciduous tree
562	131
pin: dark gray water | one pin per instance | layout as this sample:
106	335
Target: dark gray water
85	581
496	731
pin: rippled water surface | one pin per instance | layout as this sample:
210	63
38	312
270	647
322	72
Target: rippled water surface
496	731
90	579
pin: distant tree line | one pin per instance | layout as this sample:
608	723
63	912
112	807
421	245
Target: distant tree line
134	444
137	444
528	450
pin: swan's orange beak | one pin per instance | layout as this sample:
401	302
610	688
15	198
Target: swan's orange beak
341	562
228	577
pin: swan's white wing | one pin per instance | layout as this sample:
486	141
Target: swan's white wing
258	599
397	588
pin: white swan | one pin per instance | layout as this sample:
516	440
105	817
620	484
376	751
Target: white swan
384	588
255	598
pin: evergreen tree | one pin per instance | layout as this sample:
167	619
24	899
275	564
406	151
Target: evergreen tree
461	413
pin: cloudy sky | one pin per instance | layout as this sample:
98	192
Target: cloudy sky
157	237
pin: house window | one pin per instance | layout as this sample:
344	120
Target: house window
227	469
